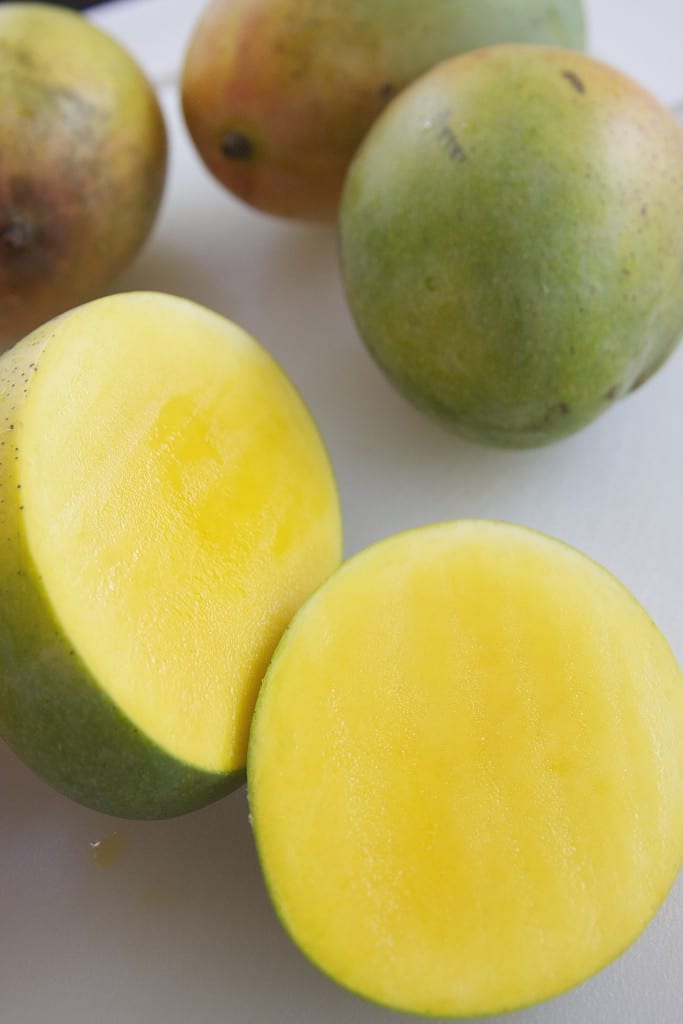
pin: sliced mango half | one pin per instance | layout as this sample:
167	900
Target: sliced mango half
466	770
166	505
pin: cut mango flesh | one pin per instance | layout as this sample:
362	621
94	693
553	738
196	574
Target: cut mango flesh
177	506
466	770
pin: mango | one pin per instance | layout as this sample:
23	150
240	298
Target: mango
465	770
512	241
278	94
82	166
166	504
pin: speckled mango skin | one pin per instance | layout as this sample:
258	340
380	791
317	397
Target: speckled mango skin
295	84
82	164
512	241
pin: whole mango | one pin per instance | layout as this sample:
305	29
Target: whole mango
278	94
82	162
512	241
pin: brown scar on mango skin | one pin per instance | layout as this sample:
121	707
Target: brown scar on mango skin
574	80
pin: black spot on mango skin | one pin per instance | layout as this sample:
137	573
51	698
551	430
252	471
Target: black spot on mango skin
386	91
17	233
237	146
35	228
574	81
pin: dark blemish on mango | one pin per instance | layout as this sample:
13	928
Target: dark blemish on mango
17	233
386	91
609	396
640	380
236	146
574	81
449	139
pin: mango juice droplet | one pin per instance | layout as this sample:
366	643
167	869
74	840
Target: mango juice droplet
107	851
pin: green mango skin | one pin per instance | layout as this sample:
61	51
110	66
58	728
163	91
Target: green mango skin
52	712
278	94
82	163
512	241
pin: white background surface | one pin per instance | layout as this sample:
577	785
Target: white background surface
176	928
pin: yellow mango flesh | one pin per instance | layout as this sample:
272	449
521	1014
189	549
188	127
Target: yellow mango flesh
466	770
178	506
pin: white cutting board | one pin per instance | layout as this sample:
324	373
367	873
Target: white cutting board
111	922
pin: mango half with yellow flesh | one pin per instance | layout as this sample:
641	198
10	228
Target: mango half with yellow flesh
465	770
166	504
512	241
278	94
82	167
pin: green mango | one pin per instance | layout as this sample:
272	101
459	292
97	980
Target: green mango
512	241
277	94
